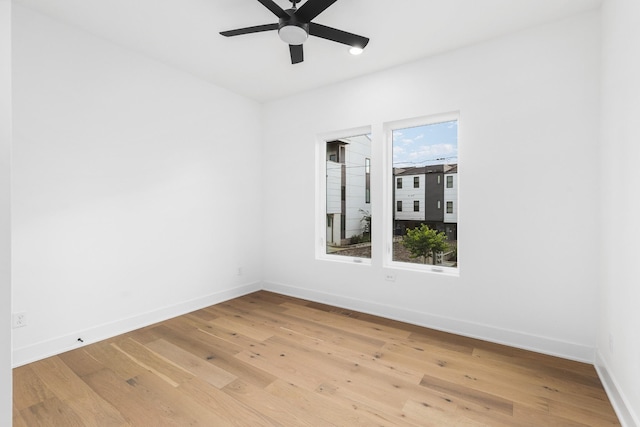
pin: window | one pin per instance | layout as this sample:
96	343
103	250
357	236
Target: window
426	149
346	198
422	150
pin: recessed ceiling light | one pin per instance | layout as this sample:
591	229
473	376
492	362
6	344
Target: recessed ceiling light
356	50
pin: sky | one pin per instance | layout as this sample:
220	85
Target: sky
426	145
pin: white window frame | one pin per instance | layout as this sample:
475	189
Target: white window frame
321	196
386	220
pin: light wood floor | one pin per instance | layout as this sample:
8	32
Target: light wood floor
270	360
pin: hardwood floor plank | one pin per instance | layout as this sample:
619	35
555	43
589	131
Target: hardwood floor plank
240	326
486	400
51	412
271	406
361	327
199	368
538	418
429	416
33	390
212	349
365	401
232	411
75	394
149	360
18	420
271	360
141	400
81	362
347	413
583	414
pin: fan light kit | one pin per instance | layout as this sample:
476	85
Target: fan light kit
295	26
291	34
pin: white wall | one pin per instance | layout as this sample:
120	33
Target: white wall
136	189
5	212
528	133
619	332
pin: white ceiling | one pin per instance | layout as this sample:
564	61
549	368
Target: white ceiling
184	34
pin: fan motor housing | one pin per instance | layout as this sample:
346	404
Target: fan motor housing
289	29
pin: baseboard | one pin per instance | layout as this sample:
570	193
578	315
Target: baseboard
51	347
577	352
620	404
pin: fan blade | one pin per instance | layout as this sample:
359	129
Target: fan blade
297	54
336	35
312	8
277	10
249	30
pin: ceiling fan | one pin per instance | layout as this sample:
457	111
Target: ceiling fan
295	26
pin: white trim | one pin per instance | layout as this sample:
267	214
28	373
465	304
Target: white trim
545	345
624	410
53	346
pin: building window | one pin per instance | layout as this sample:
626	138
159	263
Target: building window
399	183
423	148
347	192
367	180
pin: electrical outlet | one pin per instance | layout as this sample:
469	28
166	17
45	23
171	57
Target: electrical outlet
239	271
390	276
19	320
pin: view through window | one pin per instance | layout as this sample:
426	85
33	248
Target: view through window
348	196
427	156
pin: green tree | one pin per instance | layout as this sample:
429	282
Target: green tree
423	241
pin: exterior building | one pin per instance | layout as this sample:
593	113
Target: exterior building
451	203
426	195
348	188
